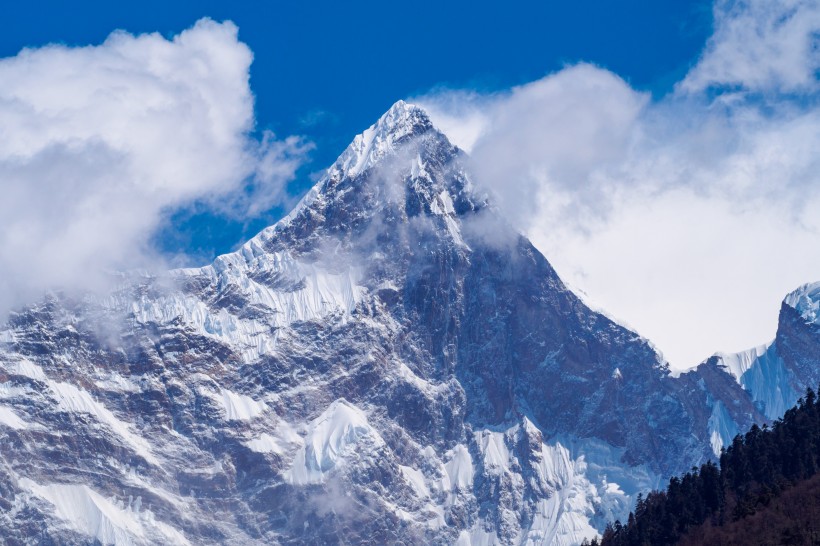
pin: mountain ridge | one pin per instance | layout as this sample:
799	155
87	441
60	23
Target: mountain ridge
391	361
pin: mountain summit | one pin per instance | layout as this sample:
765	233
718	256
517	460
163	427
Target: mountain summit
391	362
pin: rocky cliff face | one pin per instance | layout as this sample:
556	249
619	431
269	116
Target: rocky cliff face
391	363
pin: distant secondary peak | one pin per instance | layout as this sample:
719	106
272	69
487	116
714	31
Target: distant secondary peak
806	301
401	122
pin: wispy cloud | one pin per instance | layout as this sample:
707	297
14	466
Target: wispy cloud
689	216
97	143
761	46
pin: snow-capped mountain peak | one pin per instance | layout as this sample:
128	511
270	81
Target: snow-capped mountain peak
390	362
400	122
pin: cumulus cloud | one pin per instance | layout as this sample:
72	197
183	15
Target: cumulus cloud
99	143
689	216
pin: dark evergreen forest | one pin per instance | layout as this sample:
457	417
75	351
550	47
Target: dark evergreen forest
764	490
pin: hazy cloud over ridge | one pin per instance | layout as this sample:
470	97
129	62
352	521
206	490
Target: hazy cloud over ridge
688	216
97	143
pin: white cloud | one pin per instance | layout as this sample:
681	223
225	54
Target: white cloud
97	143
761	46
688	217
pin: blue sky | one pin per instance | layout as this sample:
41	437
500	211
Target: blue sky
327	70
662	155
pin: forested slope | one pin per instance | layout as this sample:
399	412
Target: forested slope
765	490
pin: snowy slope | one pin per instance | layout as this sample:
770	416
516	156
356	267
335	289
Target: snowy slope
764	375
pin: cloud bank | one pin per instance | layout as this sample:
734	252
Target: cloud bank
689	216
99	143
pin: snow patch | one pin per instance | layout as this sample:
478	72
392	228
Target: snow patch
108	521
722	428
416	480
596	484
72	399
442	205
763	374
265	443
237	407
459	468
494	449
28	369
9	391
340	430
10	418
283	439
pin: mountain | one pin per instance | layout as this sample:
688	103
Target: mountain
390	363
